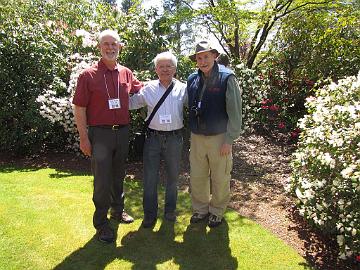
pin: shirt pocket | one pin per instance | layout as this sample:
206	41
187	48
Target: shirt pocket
125	88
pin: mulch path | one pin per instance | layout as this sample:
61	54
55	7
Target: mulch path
260	172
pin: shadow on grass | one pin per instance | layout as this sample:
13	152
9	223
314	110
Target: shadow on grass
93	255
144	249
66	164
59	173
208	250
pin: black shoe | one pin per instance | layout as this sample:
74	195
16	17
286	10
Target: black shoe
148	222
214	221
122	217
105	234
197	217
170	216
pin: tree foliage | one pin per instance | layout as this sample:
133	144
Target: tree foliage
243	28
317	44
176	22
128	5
311	45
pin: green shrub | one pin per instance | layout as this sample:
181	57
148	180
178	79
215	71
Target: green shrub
284	102
312	44
254	89
29	62
326	166
57	108
35	42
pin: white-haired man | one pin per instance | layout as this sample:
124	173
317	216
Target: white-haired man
164	136
102	116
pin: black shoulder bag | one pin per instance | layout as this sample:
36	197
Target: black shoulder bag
140	136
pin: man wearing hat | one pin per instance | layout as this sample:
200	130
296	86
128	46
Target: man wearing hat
102	116
215	120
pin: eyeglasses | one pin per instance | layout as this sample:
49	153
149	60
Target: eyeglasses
110	44
165	67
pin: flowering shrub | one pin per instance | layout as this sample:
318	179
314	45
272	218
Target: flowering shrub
29	60
274	115
326	166
254	89
58	108
37	38
269	113
266	107
56	101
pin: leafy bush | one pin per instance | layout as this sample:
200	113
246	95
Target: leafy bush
27	65
33	57
284	102
326	166
311	45
58	108
254	90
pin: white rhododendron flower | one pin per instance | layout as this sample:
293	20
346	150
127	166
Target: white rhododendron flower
59	109
346	173
326	165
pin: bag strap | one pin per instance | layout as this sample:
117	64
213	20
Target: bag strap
201	94
171	86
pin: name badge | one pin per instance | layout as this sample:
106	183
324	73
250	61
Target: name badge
114	104
165	119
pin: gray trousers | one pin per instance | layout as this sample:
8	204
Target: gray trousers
169	146
109	152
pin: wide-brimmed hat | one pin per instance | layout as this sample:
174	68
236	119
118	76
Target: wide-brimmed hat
202	46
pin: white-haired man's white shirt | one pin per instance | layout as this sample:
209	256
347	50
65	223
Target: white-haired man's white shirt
169	116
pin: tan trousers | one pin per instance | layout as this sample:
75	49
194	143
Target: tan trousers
206	165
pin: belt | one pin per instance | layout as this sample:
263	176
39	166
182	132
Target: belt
113	127
164	133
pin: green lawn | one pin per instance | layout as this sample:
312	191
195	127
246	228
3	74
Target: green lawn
46	223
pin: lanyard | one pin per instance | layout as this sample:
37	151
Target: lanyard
107	90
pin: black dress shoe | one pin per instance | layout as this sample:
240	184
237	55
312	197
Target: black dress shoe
122	217
148	222
105	234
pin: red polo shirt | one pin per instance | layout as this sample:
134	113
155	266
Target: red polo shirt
91	92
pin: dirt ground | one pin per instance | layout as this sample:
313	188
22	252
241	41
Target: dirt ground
261	168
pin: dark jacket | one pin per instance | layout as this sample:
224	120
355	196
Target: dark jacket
209	117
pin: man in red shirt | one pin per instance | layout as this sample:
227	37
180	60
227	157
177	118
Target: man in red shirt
101	108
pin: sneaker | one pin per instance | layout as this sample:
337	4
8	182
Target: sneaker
148	222
105	234
122	217
170	216
197	217
214	221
